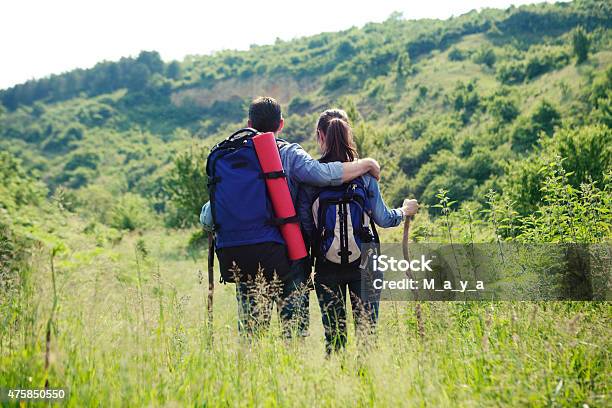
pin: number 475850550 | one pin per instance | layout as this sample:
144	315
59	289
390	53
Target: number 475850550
32	394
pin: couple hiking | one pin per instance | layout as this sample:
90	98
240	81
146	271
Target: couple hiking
337	201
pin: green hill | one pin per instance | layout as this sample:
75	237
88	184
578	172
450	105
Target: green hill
498	120
466	104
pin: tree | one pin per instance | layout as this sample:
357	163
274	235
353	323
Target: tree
138	77
485	56
344	50
456	54
402	65
152	60
503	109
587	152
545	118
186	187
527	131
173	70
131	212
580	43
18	188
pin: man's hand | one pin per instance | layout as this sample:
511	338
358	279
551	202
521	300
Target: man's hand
410	207
354	169
374	167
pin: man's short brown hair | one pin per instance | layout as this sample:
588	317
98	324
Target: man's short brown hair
265	114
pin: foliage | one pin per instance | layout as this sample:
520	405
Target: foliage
541	123
580	44
485	56
17	189
186	187
584	155
464	104
131	212
503	108
119	146
568	214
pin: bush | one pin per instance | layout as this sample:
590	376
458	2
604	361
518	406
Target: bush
300	104
65	141
17	188
580	44
186	189
96	202
485	56
456	54
584	154
337	80
131	212
527	131
13	261
503	109
88	160
466	100
587	153
511	73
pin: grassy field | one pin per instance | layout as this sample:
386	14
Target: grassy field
130	330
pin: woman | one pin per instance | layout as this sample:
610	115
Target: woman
337	258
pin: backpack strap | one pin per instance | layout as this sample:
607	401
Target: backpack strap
274	175
280	143
243	133
343	213
282	221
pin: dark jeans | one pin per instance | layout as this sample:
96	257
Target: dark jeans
264	277
299	300
331	285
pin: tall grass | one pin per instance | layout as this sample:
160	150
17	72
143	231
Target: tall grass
130	329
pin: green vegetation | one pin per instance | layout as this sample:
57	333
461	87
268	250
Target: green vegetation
499	121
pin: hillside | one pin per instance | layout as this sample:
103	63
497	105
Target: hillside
498	121
464	104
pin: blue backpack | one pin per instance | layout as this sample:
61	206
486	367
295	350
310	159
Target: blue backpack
241	209
342	223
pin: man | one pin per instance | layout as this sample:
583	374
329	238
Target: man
268	256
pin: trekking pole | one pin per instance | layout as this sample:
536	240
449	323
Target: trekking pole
211	278
406	253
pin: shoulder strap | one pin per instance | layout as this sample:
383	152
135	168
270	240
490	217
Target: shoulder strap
280	143
243	133
235	139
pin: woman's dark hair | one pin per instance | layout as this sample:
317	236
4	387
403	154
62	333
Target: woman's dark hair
265	114
339	144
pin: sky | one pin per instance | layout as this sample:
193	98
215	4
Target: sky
42	37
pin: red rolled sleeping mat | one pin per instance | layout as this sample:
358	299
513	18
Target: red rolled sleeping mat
278	189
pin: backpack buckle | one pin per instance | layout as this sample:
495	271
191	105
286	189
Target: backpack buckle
274	175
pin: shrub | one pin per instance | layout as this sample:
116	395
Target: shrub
185	187
527	131
456	54
580	44
131	212
485	56
511	73
503	109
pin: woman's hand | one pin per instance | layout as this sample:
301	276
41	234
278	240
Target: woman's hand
410	207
